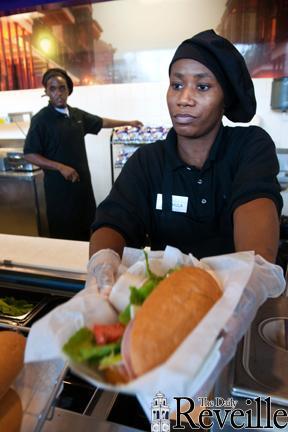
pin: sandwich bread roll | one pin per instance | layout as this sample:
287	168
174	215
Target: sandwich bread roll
168	315
11	412
12	347
116	375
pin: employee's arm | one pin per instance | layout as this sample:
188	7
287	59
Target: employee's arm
106	238
68	172
110	123
256	227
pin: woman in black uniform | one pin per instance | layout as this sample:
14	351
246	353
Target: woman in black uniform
55	142
207	189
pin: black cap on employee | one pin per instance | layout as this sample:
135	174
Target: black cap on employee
229	67
56	72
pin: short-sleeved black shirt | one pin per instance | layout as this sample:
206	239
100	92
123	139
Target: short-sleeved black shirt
59	137
159	200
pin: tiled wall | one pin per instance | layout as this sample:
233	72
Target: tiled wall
146	102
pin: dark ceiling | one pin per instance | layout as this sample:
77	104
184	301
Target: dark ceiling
11	7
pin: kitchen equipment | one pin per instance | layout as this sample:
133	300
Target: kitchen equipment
279	95
53	398
258	371
282	258
22	199
14	161
261	362
3	156
37	301
282	154
22	203
126	140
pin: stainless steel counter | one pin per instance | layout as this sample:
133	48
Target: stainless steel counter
52	398
41	385
259	369
38	386
72	422
22	203
223	390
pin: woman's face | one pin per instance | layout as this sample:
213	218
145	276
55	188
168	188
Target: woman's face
195	99
58	91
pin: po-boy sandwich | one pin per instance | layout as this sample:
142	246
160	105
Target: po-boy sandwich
161	313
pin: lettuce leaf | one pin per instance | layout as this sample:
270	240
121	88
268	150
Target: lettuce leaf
81	347
110	360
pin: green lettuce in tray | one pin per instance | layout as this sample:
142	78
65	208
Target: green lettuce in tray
14	307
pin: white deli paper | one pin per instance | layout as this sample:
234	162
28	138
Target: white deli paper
195	359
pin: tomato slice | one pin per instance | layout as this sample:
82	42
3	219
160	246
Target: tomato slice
105	333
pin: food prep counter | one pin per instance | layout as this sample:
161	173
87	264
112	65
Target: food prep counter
22	196
22	203
54	399
258	372
45	273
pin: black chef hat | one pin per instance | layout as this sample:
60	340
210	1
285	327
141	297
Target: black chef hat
56	72
229	67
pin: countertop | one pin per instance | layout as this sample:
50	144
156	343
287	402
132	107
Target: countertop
45	253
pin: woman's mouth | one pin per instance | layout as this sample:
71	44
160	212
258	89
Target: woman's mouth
184	118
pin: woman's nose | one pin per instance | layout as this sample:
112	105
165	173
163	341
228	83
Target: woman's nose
187	96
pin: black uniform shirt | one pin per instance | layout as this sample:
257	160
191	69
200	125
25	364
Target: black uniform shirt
196	213
59	137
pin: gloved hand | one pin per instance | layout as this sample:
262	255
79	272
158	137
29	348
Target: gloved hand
102	271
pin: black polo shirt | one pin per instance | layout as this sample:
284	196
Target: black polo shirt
70	206
60	137
159	200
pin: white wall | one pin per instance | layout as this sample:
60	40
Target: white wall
275	123
146	102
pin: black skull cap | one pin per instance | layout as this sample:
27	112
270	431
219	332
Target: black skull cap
221	57
57	72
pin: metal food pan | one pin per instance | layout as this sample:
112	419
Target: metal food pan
37	300
261	362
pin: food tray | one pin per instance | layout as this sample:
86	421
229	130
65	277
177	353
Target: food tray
262	358
37	300
133	135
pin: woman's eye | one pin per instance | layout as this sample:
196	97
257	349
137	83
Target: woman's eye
203	87
176	85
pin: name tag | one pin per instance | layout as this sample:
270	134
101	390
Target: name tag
179	203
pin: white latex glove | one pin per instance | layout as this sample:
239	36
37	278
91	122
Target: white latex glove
102	271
